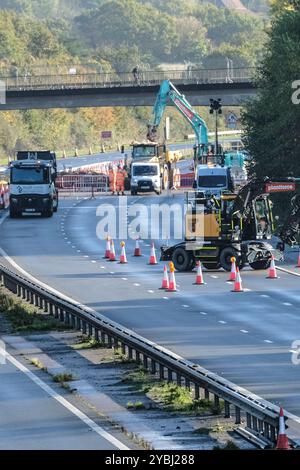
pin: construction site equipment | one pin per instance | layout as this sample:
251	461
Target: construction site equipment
235	225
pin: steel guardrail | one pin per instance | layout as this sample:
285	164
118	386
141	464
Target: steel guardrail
126	79
261	416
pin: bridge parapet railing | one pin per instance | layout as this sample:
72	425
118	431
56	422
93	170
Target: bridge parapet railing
144	78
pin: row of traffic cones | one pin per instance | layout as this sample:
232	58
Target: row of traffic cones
235	275
110	253
169	283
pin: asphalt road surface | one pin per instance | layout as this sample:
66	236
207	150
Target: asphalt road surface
246	337
31	419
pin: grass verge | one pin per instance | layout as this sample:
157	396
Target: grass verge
63	377
25	317
37	363
88	343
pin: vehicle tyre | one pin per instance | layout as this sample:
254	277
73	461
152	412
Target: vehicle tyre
212	266
263	264
225	258
48	212
133	192
13	214
56	205
182	259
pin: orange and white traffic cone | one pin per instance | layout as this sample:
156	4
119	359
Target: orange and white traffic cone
123	258
165	281
282	440
298	265
152	259
238	282
112	253
272	270
199	276
107	250
232	276
137	250
172	281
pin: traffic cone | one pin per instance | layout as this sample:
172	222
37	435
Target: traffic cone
298	265
165	281
152	259
123	259
282	440
232	276
199	277
172	281
107	250
137	251
272	270
238	282
112	253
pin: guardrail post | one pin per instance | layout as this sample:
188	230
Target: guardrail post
216	401
137	356
123	347
55	311
67	317
178	379
73	320
36	300
161	372
254	423
153	366
32	298
227	409
130	352
170	375
27	295
62	315
78	323
266	430
206	394
46	306
84	327
50	309
260	426
103	337
248	420
196	392
273	433
90	327
237	415
41	303
109	341
145	362
187	384
96	334
18	290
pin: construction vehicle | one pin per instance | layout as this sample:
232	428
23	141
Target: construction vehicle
227	168
236	225
32	184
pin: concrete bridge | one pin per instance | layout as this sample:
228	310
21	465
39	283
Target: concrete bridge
110	89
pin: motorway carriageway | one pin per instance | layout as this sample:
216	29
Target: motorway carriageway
244	337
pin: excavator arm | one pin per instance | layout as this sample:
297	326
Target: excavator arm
169	94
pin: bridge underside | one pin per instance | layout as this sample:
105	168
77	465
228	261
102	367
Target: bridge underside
232	94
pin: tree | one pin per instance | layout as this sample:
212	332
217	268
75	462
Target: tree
272	121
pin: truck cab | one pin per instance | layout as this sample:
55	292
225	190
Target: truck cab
32	186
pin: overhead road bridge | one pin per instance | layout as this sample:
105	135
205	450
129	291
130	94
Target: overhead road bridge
233	86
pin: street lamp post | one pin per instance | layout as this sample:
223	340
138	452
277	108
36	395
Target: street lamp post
216	107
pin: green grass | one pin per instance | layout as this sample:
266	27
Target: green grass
63	377
37	363
25	317
137	405
171	396
88	343
119	356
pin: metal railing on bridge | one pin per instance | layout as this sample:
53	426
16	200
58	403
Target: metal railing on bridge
127	79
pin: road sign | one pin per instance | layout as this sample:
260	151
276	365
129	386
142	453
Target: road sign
231	120
280	187
106	134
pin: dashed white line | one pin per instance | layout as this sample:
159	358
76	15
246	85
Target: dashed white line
93	261
86	256
150	291
78	251
102	267
214	277
166	298
265	296
185	306
124	278
136	284
288	304
112	272
244	331
203	313
223	322
268	341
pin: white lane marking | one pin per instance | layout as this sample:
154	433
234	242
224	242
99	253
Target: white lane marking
78	251
246	289
288	304
214	277
124	278
112	272
69	243
223	322
73	246
185	306
203	313
166	298
60	399
93	261
66	238
103	267
136	284
244	331
268	341
266	296
151	291
86	256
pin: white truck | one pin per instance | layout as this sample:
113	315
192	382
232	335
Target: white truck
32	184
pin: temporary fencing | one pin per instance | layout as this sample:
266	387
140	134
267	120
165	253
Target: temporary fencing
82	184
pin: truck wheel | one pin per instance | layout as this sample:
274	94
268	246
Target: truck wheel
225	258
133	192
13	214
182	260
211	266
48	212
260	264
56	205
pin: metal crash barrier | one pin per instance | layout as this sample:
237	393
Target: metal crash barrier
82	184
